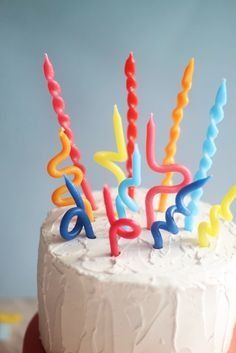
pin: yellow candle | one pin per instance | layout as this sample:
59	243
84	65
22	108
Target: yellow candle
177	116
6	318
53	170
212	227
107	159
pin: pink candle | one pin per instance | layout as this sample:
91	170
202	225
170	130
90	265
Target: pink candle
160	189
65	122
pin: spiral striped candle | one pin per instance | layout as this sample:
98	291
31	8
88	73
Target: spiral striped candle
65	122
132	114
177	116
217	211
209	149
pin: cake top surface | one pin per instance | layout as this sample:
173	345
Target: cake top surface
181	262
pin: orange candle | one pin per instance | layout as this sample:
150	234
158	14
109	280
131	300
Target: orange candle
177	116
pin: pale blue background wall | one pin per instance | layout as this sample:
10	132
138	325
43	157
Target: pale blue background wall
88	42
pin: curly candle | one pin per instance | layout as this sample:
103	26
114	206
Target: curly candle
53	171
65	122
107	158
177	116
118	227
217	211
179	207
132	114
82	220
209	149
123	199
151	160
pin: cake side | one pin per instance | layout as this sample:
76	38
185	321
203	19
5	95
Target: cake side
179	299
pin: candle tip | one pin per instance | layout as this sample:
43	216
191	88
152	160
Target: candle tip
151	119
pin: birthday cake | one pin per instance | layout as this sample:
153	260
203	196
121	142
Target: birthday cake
134	279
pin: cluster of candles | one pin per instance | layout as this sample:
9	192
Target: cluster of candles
120	225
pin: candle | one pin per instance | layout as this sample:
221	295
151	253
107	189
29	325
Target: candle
179	207
209	149
123	199
53	171
107	159
65	122
132	113
177	116
217	211
82	220
151	160
118	227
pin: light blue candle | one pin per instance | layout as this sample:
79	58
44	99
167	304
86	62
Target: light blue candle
123	199
209	149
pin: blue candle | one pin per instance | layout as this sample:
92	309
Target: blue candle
123	199
209	149
82	220
179	207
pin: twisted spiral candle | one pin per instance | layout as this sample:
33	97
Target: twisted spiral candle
209	149
123	199
177	116
179	207
151	160
82	219
217	211
118	226
132	113
65	122
52	169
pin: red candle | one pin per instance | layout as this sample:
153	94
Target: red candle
65	122
118	227
132	113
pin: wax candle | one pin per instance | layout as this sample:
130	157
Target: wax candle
65	122
151	160
107	159
123	199
132	113
78	212
169	224
52	168
177	116
223	211
124	227
209	149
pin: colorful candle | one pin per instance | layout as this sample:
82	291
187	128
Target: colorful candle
209	149
223	211
82	219
179	207
177	116
65	122
132	114
52	168
151	160
123	199
107	159
118	227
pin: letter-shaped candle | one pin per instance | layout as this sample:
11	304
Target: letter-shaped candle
57	198
107	158
217	211
151	159
124	199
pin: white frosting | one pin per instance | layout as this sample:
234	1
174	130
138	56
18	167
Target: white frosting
177	300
